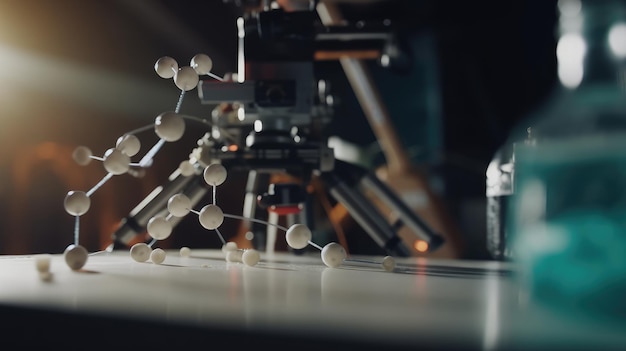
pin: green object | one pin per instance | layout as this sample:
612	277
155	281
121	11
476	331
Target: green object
567	219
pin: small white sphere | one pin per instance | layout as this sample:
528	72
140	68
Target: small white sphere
166	67
186	78
77	203
185	251
75	256
169	126
215	174
186	168
250	257
116	162
140	252
128	144
179	205
202	63
157	256
333	255
234	256
159	228
42	262
229	246
298	236
389	263
211	217
82	155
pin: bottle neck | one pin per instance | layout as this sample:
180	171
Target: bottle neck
590	50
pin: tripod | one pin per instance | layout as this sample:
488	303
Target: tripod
278	127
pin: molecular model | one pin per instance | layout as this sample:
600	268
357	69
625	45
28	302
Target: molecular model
169	127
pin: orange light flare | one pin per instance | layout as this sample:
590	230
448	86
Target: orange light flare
420	245
233	147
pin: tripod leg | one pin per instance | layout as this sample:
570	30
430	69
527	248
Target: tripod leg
344	184
272	233
366	215
256	180
405	214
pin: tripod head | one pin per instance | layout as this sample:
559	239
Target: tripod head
276	99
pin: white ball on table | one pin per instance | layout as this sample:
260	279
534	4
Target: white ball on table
140	252
234	256
185	251
250	257
75	256
389	263
333	255
42	262
298	236
157	256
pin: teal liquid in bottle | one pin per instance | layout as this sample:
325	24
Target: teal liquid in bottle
567	218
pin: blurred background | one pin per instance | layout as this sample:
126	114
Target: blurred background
82	73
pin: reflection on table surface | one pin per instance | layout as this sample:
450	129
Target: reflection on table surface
439	303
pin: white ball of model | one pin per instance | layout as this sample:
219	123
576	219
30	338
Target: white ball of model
333	255
76	203
249	257
75	256
298	236
169	126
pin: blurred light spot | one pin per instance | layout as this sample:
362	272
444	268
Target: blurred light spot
47	151
258	125
241	114
571	75
76	82
420	245
617	40
570	53
385	60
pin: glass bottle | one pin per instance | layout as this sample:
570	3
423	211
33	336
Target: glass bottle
499	189
567	217
500	186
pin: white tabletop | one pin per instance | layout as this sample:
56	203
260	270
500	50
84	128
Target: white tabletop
475	304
